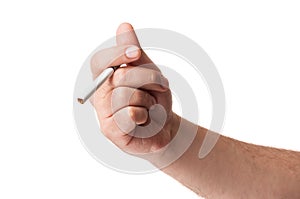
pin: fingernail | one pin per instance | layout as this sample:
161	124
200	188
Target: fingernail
132	52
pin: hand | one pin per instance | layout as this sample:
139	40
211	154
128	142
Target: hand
134	106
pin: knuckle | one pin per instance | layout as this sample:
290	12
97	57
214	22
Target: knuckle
119	75
145	95
134	96
141	96
122	94
154	77
147	98
132	112
118	92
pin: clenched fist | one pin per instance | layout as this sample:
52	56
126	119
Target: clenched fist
134	106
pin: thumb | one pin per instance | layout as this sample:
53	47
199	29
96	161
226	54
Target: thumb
126	36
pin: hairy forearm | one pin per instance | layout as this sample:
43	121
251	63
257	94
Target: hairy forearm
235	169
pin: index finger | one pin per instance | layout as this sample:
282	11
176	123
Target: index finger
113	56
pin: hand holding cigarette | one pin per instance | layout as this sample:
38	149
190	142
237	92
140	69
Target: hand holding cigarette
135	97
124	100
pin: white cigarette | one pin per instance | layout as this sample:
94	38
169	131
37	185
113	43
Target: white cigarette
97	83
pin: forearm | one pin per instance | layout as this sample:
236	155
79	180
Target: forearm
235	169
232	169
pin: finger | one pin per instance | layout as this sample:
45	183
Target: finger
140	77
126	96
127	36
127	118
122	97
138	114
113	56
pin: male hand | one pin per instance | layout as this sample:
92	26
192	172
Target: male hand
134	106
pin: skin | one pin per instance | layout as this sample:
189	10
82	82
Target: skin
233	169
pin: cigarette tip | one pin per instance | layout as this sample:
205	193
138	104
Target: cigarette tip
80	100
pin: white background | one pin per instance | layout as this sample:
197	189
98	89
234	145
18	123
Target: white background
255	46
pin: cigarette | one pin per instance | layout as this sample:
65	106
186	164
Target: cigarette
97	83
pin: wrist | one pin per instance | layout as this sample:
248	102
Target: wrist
184	135
174	125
